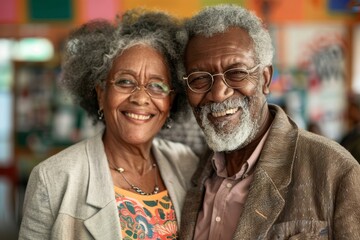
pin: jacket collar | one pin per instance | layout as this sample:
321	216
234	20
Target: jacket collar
101	193
271	178
101	190
274	156
171	181
278	154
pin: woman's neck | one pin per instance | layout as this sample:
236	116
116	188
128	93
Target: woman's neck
129	156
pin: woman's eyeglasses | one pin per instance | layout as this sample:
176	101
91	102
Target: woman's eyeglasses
155	89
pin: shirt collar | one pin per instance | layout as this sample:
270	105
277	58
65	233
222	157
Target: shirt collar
219	165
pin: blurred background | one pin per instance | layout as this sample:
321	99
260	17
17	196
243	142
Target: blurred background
316	80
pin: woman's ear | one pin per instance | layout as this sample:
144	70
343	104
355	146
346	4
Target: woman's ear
99	92
172	98
267	76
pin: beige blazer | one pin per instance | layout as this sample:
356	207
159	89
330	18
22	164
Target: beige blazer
71	195
304	187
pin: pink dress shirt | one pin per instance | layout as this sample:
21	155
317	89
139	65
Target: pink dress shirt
225	198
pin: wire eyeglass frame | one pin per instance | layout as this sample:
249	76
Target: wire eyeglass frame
203	74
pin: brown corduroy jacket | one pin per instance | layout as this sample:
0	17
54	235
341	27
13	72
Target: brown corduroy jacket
305	187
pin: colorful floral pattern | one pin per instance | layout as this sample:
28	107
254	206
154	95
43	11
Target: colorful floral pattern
146	217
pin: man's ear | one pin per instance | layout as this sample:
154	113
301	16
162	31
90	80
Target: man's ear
267	75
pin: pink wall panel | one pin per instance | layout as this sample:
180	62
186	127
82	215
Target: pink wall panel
8	11
92	9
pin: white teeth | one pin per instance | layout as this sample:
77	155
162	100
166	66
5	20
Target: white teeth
138	117
218	114
223	113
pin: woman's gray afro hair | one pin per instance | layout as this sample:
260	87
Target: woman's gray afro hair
83	54
92	49
217	19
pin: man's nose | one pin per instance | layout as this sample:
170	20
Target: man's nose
220	91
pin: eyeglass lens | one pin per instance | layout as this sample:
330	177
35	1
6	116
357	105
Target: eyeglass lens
202	81
156	89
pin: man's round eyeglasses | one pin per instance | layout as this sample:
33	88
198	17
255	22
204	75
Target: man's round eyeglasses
155	89
201	82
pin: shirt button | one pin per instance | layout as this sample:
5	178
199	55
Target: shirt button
228	185
218	219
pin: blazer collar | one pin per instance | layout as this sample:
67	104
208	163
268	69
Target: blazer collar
279	147
105	223
173	185
101	187
271	178
278	154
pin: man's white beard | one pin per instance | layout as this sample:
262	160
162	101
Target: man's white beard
229	139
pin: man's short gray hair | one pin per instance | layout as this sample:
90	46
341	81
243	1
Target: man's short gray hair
219	18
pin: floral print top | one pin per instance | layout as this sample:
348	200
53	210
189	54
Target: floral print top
146	217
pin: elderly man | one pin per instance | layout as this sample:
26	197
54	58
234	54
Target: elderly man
266	178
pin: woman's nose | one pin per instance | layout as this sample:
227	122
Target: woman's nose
140	96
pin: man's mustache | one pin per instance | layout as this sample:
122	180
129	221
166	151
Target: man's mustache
240	102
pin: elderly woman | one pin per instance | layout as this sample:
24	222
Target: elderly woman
122	183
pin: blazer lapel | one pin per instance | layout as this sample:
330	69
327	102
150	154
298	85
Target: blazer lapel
177	188
194	198
105	223
271	179
171	182
263	206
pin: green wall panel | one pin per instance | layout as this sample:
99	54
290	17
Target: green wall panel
50	10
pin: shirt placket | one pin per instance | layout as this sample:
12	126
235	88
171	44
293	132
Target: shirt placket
220	208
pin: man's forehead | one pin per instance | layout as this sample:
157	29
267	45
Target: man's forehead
235	42
233	35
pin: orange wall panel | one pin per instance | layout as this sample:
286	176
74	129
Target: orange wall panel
279	10
318	10
315	9
183	8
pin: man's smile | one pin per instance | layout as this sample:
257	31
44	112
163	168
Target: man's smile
224	113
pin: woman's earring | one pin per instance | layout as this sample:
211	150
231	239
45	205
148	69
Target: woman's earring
100	114
168	123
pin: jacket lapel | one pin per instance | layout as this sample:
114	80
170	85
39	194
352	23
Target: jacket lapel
194	198
105	223
263	206
176	184
171	182
271	179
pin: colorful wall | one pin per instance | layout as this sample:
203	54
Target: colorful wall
317	63
79	11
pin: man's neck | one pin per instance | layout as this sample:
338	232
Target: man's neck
236	159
